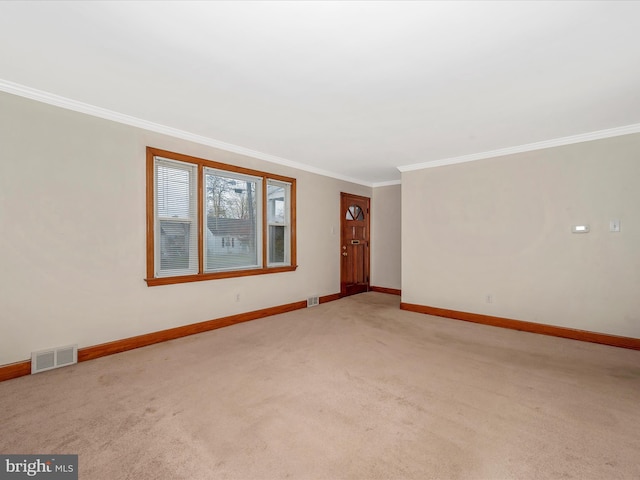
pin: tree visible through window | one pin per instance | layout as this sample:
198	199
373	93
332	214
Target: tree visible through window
232	214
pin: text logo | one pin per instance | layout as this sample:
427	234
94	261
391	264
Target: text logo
49	467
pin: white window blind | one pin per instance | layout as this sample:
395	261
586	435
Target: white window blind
176	219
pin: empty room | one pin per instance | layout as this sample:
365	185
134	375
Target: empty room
319	240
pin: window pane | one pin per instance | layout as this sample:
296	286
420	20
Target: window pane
232	217
276	244
174	245
278	215
355	213
276	203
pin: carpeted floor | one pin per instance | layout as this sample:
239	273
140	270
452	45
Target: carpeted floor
354	388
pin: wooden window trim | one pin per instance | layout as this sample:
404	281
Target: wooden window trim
201	275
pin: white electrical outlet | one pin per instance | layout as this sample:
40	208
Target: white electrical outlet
488	298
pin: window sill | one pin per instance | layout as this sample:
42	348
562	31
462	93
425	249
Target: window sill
154	282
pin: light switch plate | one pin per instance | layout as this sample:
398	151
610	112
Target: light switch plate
614	226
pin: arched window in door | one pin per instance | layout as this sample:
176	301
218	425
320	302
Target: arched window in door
354	212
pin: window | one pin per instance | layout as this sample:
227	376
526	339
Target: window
176	241
231	214
208	220
279	219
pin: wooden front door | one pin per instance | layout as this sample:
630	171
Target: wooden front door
354	247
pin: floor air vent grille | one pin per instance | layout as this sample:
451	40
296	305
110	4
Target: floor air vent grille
53	358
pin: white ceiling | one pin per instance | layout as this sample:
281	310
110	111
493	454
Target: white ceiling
353	89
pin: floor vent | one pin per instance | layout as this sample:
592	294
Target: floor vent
53	358
313	301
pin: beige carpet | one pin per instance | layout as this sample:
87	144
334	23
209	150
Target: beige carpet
351	389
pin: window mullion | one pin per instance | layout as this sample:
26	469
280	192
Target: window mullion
201	215
265	223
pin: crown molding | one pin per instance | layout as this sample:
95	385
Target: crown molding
387	184
529	147
88	109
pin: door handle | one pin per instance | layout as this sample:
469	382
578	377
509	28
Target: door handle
344	254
